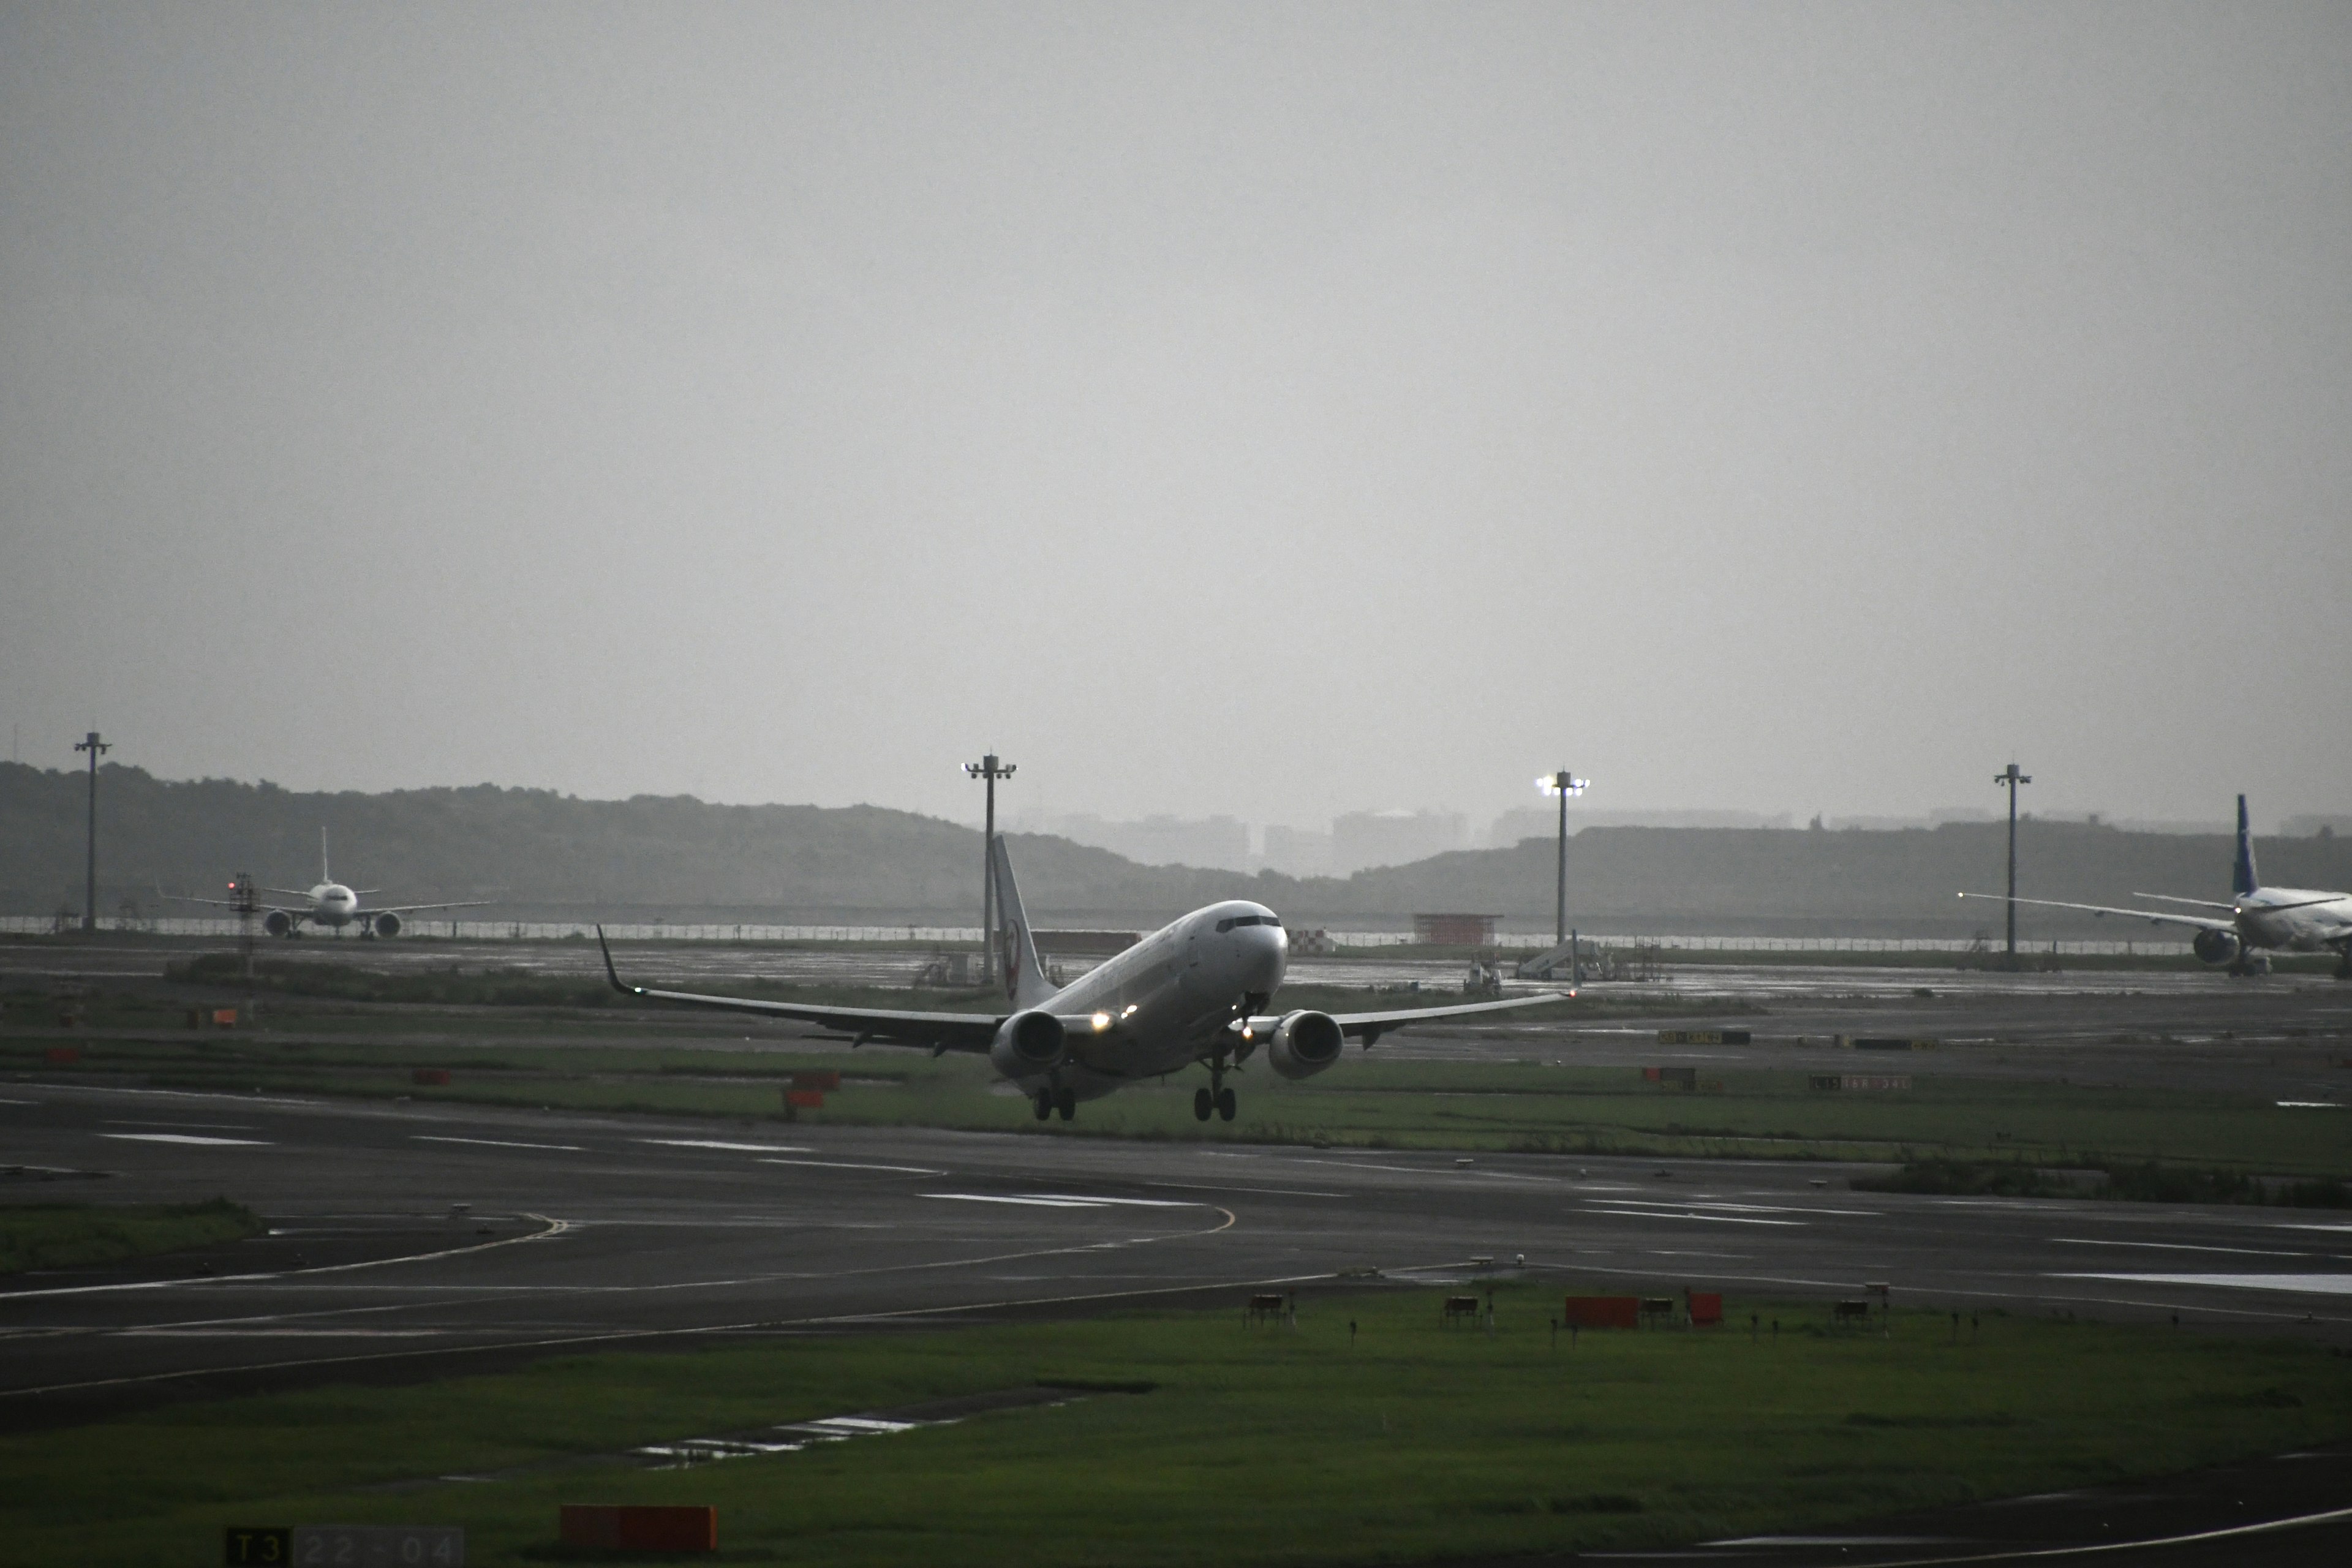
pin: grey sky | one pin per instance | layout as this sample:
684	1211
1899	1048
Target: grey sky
1273	411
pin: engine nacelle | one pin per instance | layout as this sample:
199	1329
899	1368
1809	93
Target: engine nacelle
277	922
2215	946
387	925
1027	1044
1304	1043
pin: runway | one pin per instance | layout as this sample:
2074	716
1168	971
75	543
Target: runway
411	1240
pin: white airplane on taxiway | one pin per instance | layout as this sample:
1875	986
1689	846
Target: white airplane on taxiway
2290	920
331	905
1194	990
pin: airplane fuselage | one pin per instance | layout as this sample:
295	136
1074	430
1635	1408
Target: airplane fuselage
2293	919
1169	1000
333	904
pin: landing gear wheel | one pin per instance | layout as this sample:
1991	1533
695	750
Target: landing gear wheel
1042	1103
1067	1101
1227	1103
1203	1104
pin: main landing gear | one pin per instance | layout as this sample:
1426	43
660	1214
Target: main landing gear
1216	1097
1046	1101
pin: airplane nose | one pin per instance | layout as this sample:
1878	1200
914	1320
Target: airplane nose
1267	947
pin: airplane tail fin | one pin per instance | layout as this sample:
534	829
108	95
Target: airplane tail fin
2243	877
1024	980
324	875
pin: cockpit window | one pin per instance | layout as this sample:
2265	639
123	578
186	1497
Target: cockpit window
1232	921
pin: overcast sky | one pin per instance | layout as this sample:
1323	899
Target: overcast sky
1252	409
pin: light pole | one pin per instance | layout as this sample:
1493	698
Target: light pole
2008	779
96	748
1562	784
990	769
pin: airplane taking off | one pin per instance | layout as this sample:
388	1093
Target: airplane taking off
331	905
2294	919
1194	991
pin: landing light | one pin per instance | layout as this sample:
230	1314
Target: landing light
1101	1022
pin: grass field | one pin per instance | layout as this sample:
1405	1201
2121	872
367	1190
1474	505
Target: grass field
80	1236
1256	1445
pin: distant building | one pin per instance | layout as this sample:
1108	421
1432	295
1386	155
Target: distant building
1297	851
1367	838
1455	931
1221	843
2313	825
1543	821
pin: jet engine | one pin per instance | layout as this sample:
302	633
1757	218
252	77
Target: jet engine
2215	946
387	925
1027	1044
277	922
1304	1043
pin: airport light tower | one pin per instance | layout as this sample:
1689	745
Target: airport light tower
96	748
2008	779
1562	784
990	769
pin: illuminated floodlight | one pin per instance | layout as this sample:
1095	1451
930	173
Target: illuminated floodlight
1563	782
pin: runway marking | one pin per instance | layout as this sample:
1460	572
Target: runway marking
2171	1246
1033	1203
719	1143
2290	1225
207	1126
2308	1284
181	1094
555	1227
184	1138
20	1102
618	1335
1755	1208
855	1165
2028	1553
174	1333
1232	1187
1622	1213
495	1142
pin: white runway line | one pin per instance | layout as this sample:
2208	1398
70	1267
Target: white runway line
183	1138
719	1144
2308	1284
2171	1246
1621	1212
855	1165
1064	1200
496	1143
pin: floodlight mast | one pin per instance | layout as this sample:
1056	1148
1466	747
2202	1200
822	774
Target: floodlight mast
96	748
1562	784
990	769
2008	779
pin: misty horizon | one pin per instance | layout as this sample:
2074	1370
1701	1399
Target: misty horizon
1266	411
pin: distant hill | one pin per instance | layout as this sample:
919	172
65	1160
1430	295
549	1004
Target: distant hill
549	855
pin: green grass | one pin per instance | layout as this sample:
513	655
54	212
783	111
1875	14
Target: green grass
1367	1102
1255	1447
81	1235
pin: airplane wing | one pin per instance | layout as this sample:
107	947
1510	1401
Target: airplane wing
1370	1026
2193	904
939	1031
2157	917
412	908
232	904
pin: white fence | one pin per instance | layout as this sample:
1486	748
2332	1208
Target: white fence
910	935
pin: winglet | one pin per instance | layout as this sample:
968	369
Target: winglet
610	973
